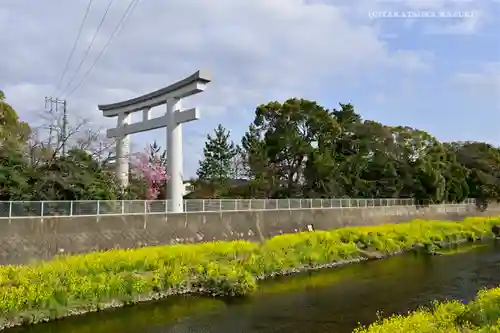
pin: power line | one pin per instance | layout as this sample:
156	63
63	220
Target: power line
74	46
88	48
124	18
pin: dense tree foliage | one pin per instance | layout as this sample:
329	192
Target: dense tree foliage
293	149
32	171
301	149
13	132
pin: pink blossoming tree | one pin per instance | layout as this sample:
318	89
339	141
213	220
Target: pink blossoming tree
151	170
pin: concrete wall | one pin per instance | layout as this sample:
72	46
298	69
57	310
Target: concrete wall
26	239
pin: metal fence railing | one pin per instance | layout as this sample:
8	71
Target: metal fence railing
17	209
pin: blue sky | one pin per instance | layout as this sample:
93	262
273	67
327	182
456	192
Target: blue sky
441	75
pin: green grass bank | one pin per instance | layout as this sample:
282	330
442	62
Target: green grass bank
83	283
479	316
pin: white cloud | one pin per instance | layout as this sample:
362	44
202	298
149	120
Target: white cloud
257	50
484	81
253	47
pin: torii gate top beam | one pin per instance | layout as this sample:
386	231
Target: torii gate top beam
191	85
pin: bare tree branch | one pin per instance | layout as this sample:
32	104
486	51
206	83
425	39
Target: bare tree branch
49	137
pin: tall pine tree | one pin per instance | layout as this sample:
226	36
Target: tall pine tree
219	153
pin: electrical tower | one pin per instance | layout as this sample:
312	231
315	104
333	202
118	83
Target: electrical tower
53	104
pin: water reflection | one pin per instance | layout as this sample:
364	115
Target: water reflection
329	301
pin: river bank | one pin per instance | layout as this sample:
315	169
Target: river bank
78	284
329	300
482	315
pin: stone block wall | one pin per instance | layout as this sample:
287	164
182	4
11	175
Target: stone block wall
25	239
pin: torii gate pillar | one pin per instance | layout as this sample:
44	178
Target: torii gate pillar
173	119
175	185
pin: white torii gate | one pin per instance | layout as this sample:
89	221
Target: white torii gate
173	119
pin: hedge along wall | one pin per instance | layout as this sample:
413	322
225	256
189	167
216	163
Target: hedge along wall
77	284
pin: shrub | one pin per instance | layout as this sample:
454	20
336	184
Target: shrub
480	316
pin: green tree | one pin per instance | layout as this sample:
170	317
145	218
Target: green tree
219	152
456	175
14	133
16	181
482	162
289	132
157	154
256	165
75	177
15	171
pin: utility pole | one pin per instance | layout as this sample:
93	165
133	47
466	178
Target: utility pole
52	105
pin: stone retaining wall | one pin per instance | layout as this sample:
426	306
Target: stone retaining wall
26	239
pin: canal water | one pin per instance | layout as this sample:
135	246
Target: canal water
334	300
